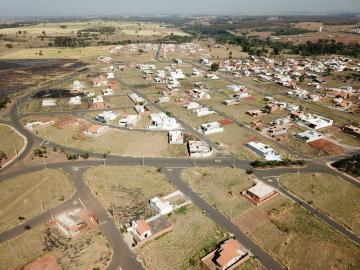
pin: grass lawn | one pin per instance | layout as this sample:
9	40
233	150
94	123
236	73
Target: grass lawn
328	193
22	197
9	141
194	235
86	252
125	191
297	239
221	187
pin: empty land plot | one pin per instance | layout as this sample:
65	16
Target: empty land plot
221	187
115	141
86	252
297	239
23	197
193	236
118	101
125	191
10	142
329	193
251	264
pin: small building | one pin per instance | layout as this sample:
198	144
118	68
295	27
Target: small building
106	116
141	228
95	130
192	105
75	100
210	128
266	151
163	121
163	99
160	206
354	130
315	121
309	136
229	255
203	111
176	137
259	193
199	149
129	120
31	125
49	102
107	92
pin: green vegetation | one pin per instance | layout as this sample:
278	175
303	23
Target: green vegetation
275	163
349	165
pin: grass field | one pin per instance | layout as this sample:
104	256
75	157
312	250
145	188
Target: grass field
297	239
125	191
194	235
221	187
328	193
86	252
23	197
9	142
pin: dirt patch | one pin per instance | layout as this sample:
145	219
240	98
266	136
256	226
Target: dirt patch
328	147
43	263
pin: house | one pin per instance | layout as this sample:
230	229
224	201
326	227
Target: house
292	108
277	130
176	137
129	120
163	99
178	61
210	128
237	88
264	150
199	149
203	111
200	94
98	99
275	106
49	102
110	75
101	81
163	121
139	108
314	121
254	113
105	116
161	206
309	136
212	76
229	255
95	130
192	105
259	193
107	92
75	100
136	98
354	130
196	72
141	228
205	61
31	125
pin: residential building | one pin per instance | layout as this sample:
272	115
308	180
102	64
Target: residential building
314	121
107	92
161	206
31	125
141	228
49	102
199	149
200	94
75	100
203	111
105	116
129	120
259	193
210	128
176	137
163	121
95	130
192	105
309	136
136	98
266	151
354	130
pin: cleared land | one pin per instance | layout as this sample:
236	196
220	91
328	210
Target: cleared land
221	187
10	142
194	235
125	191
328	193
87	252
23	197
297	239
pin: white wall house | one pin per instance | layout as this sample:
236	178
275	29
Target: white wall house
163	121
129	120
309	136
203	111
199	149
315	121
107	92
75	100
210	128
160	206
266	151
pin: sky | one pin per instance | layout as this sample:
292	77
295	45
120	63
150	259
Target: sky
27	8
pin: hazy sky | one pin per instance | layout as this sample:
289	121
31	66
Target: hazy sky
10	8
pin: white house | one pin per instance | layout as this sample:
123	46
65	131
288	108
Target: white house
110	75
200	94
160	206
176	137
162	121
75	100
212	76
199	149
141	229
139	108
107	92
309	136
192	105
210	128
315	121
106	116
266	151
48	102
136	98
98	99
203	111
129	120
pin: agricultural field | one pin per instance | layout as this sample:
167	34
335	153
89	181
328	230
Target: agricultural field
286	231
10	143
89	251
28	195
221	187
125	191
329	193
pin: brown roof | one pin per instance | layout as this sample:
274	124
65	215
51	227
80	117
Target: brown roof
94	128
228	251
142	226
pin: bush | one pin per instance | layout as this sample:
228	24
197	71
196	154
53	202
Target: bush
274	163
214	66
72	156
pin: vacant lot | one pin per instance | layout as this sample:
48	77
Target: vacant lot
125	191
297	239
194	235
87	252
330	194
26	196
10	142
115	141
221	187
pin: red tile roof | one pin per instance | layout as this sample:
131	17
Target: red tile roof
142	226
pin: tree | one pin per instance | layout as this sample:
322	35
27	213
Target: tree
214	66
302	78
230	54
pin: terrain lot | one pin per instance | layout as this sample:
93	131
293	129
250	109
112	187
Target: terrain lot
296	238
10	142
125	191
328	193
86	252
26	196
194	235
221	187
